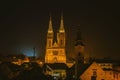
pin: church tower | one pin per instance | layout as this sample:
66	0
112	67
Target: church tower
61	34
55	51
79	48
79	53
50	36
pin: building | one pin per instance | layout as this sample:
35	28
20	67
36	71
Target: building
55	48
56	65
56	70
55	56
79	54
97	71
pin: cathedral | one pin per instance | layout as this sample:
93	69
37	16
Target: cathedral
57	66
55	48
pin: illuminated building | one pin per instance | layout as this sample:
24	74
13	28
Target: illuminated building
96	71
55	56
55	48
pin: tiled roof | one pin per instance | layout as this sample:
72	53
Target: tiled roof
106	61
82	69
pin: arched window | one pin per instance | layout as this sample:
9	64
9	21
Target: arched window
61	42
49	43
55	52
55	59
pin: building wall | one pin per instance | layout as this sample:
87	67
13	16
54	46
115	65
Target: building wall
100	74
112	75
109	75
106	65
55	56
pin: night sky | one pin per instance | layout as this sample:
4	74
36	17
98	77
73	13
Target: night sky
24	26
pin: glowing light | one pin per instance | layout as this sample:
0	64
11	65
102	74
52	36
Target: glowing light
28	51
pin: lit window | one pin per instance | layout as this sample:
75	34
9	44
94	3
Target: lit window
55	59
94	72
49	43
93	77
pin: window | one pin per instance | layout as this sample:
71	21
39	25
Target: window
60	51
55	59
94	72
55	52
49	43
93	77
61	42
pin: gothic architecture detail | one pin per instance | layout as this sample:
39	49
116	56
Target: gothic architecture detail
55	50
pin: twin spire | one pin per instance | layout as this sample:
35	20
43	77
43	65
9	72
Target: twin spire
62	25
50	29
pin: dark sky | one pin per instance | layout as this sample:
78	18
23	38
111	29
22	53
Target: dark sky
24	25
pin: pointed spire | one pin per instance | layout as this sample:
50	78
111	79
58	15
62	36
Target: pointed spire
79	38
61	24
50	30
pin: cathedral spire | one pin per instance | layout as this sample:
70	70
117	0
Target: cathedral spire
50	29
61	24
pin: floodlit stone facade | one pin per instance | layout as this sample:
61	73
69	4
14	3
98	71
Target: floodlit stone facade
55	48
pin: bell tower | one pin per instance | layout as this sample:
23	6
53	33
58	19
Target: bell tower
61	41
50	36
79	48
79	53
61	34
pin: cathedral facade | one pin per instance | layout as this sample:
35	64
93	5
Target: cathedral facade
55	48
